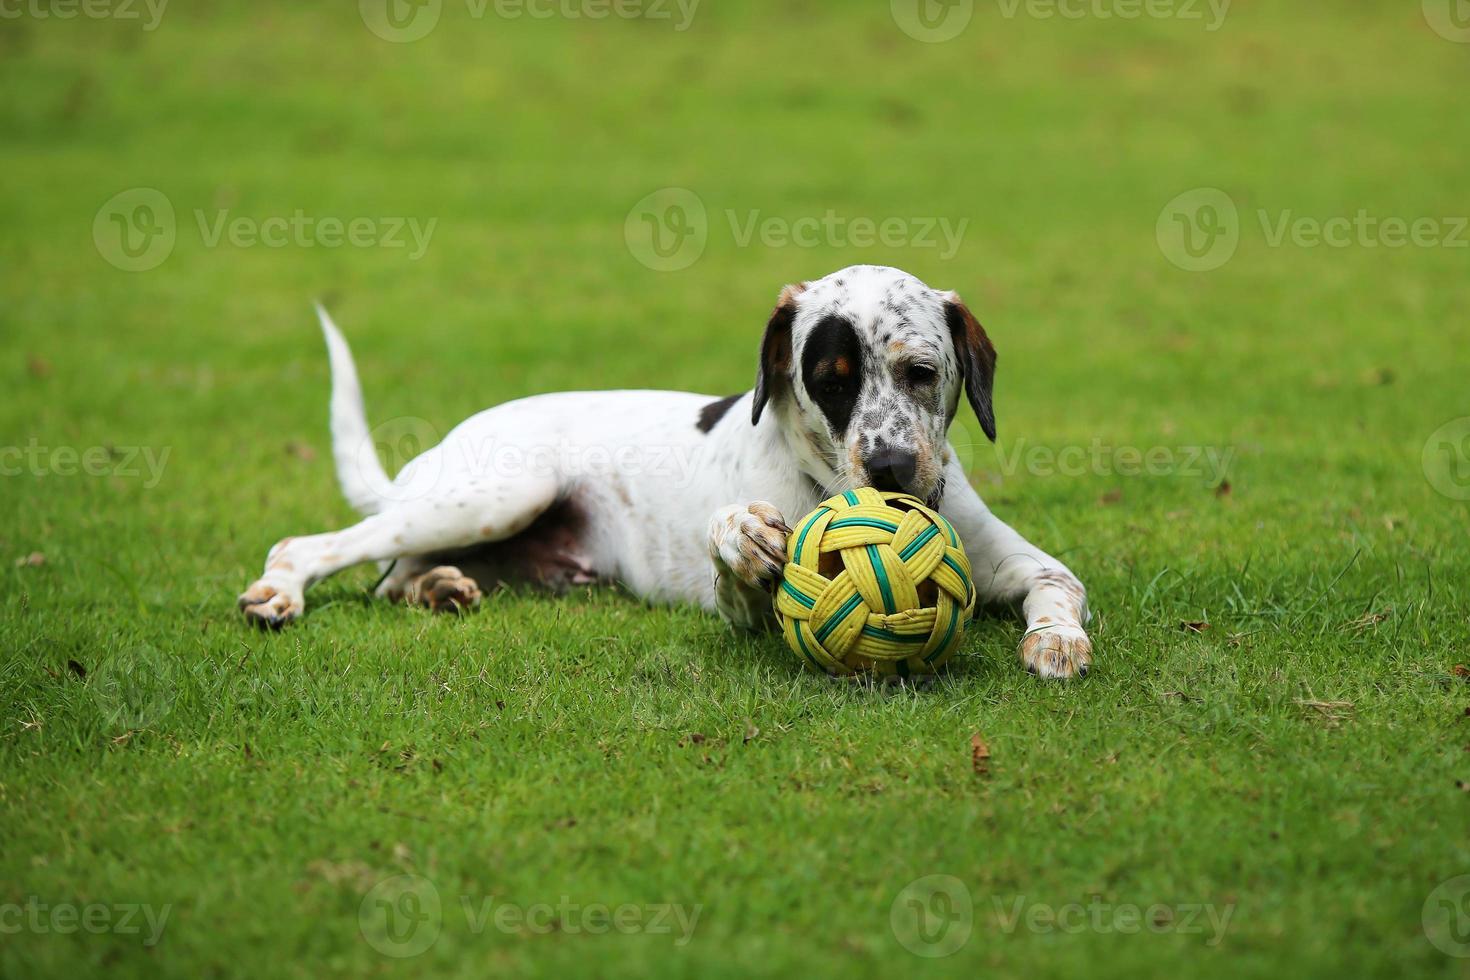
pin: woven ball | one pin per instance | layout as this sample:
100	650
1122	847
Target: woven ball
874	583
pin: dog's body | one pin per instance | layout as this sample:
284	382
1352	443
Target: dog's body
860	377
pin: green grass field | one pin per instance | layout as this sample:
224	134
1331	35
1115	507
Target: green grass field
1280	793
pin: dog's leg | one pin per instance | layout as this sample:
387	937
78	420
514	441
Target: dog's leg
748	548
1007	568
475	513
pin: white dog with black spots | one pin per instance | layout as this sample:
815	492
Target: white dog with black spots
684	497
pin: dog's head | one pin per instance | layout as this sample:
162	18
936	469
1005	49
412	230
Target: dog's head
865	370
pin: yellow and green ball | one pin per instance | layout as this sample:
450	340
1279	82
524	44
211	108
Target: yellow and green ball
874	583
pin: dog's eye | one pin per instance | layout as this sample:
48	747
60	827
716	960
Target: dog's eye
921	374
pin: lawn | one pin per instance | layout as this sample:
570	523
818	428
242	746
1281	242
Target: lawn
1242	454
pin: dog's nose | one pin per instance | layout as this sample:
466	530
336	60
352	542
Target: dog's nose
892	469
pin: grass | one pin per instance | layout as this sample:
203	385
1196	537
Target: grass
1294	766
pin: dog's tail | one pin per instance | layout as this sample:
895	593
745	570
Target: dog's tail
359	471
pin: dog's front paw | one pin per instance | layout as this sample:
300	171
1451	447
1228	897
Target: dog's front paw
749	543
268	606
1057	650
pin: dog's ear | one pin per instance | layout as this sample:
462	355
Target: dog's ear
775	366
977	359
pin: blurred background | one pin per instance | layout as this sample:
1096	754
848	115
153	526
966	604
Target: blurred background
474	189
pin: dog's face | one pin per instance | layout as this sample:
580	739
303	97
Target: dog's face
865	369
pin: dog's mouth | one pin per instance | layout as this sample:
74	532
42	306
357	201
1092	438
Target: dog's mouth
936	496
931	499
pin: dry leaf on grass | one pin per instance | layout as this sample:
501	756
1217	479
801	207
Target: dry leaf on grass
33	560
356	874
1331	712
1325	706
979	755
1367	620
1195	627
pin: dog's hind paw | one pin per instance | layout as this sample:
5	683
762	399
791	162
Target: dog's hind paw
444	589
269	608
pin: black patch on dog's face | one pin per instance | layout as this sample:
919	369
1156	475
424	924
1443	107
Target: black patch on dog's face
710	415
832	370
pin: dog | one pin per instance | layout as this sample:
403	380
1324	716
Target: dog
684	497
